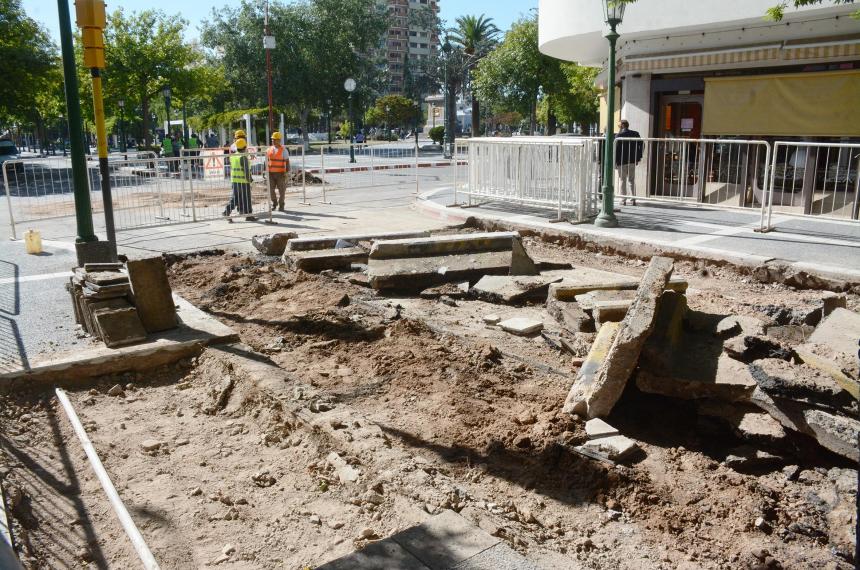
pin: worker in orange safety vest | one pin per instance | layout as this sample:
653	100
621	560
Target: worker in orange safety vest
277	165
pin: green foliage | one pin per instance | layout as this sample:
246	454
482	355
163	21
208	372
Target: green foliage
395	111
437	134
777	12
346	130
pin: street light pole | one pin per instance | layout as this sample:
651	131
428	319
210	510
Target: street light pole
166	92
328	102
123	147
269	45
350	85
614	13
446	49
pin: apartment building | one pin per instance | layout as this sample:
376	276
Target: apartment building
408	42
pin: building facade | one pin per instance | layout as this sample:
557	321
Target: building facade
409	41
698	69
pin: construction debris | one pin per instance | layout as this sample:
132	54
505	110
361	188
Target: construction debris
330	242
316	260
616	447
103	306
512	290
152	294
273	244
521	326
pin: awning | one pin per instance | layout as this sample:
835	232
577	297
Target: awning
799	104
705	59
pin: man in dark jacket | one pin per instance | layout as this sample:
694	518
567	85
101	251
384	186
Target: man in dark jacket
627	156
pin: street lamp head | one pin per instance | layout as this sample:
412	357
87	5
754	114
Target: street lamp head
166	91
613	11
121	103
349	85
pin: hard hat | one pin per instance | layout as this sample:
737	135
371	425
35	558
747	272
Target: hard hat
241	144
239	134
276	136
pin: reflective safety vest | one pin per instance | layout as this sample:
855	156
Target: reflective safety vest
193	142
167	146
278	158
238	165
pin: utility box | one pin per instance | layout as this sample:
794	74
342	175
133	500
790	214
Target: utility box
91	18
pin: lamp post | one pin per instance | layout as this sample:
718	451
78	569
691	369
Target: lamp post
446	49
387	111
349	85
269	45
328	104
166	92
121	104
613	12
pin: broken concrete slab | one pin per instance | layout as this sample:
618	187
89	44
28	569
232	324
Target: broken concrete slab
840	331
832	431
451	290
522	326
569	315
492	320
568	290
579	393
587	300
616	447
119	327
316	260
752	348
422	272
445	540
152	294
795	334
728	380
609	311
452	244
611	379
596	428
273	244
802	383
745	420
737	324
329	242
838	366
511	289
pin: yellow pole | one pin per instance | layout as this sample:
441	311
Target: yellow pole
104	168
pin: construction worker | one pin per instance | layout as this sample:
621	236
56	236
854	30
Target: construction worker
239	134
278	165
166	146
193	148
240	177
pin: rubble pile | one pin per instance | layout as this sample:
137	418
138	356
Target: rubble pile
121	303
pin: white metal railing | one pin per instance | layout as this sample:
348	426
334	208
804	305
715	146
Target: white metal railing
814	179
554	173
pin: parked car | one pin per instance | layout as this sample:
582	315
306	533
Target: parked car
8	151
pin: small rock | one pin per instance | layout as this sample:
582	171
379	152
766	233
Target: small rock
596	428
373	498
196	492
523	441
762	525
526	418
228	549
335	524
366	533
182	441
613	515
116	390
263	479
84	554
791	472
221	559
492	319
315	519
150	444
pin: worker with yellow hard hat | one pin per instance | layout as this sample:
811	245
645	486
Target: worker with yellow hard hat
238	135
277	165
240	178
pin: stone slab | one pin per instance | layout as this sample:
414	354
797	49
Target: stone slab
152	294
119	327
106	277
422	272
610	311
445	540
522	326
614	446
746	421
569	315
812	355
568	290
840	330
314	261
511	289
273	244
729	380
611	378
582	386
587	300
328	242
453	244
596	428
800	382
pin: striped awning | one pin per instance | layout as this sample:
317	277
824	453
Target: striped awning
704	59
800	52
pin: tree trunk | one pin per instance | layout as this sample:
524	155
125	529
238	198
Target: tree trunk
533	117
145	120
304	113
551	123
476	115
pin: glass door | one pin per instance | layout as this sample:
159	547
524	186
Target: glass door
676	168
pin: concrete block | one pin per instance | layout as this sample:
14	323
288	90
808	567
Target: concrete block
94	252
567	290
152	294
510	289
577	399
569	315
801	382
596	428
492	319
90	306
614	446
609	311
314	261
811	355
119	327
107	277
840	331
611	379
521	326
729	380
328	242
453	244
737	324
445	540
422	272
273	244
745	420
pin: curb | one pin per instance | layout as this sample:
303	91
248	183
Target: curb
798	273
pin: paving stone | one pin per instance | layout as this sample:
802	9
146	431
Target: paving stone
329	242
453	244
609	382
510	289
569	315
152	294
839	333
747	421
492	319
576	399
314	261
735	325
498	557
614	446
273	244
790	333
422	272
801	382
522	326
106	277
596	428
445	540
119	327
727	380
569	288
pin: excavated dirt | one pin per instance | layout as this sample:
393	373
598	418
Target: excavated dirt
470	419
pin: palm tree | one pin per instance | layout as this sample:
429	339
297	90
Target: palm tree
476	35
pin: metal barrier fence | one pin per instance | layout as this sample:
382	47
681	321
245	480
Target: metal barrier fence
814	179
560	174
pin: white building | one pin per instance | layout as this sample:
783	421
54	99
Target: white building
692	68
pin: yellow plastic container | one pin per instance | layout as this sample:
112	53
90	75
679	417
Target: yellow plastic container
33	241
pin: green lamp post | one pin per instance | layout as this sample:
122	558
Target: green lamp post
613	12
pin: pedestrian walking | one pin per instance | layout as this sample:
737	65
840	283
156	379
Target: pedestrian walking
194	145
278	165
240	178
628	153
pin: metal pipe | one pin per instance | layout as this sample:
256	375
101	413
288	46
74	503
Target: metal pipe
8	198
119	509
104	168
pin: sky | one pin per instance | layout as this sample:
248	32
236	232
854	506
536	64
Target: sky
503	12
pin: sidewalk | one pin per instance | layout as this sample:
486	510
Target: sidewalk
823	247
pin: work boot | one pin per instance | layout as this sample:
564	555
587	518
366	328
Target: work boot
281	208
250	218
632	202
226	212
623	202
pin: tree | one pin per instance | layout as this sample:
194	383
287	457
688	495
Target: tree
396	110
514	75
29	65
477	36
145	52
